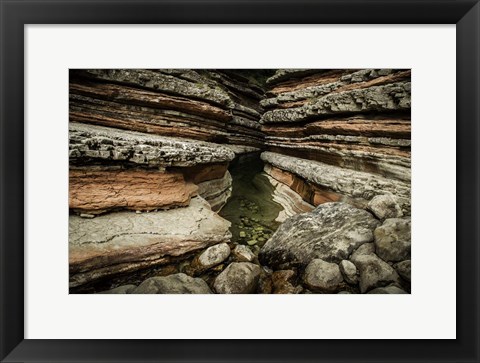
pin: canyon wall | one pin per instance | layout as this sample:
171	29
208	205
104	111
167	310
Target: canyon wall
149	159
339	135
156	142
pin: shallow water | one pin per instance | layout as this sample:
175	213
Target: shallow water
251	208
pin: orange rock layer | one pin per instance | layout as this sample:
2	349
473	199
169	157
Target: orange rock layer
97	191
309	192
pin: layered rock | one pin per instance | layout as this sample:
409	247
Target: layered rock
112	169
331	183
89	144
151	153
123	242
354	124
213	105
97	191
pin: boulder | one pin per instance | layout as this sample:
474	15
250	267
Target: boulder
243	254
124	289
238	278
374	272
392	239
387	290
211	257
349	272
284	282
265	285
331	232
404	269
385	206
322	276
173	284
365	249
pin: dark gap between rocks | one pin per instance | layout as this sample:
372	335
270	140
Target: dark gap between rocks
251	208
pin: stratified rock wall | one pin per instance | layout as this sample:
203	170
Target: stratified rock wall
212	105
344	133
149	154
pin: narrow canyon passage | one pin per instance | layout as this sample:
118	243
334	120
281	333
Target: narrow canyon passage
251	208
283	181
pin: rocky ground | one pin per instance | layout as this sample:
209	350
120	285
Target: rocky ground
239	181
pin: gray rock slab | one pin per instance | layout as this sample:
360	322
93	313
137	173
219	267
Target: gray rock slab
330	232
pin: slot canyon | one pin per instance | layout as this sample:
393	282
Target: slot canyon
239	181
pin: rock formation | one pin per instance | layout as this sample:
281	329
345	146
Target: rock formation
158	156
340	133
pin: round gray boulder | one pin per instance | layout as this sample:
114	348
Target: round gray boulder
393	239
349	272
374	272
238	278
212	256
322	276
385	206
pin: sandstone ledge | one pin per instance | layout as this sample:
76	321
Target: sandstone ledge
96	143
96	191
125	241
350	183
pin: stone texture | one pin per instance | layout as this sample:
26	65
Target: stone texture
124	289
312	194
354	119
322	276
291	202
331	232
393	239
385	98
385	206
221	106
155	80
243	254
216	191
349	272
88	142
365	249
387	290
374	272
211	257
284	282
238	278
353	184
124	242
95	191
404	269
173	284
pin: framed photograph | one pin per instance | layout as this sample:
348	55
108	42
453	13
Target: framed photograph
240	181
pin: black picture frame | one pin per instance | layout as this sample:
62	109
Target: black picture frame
15	14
